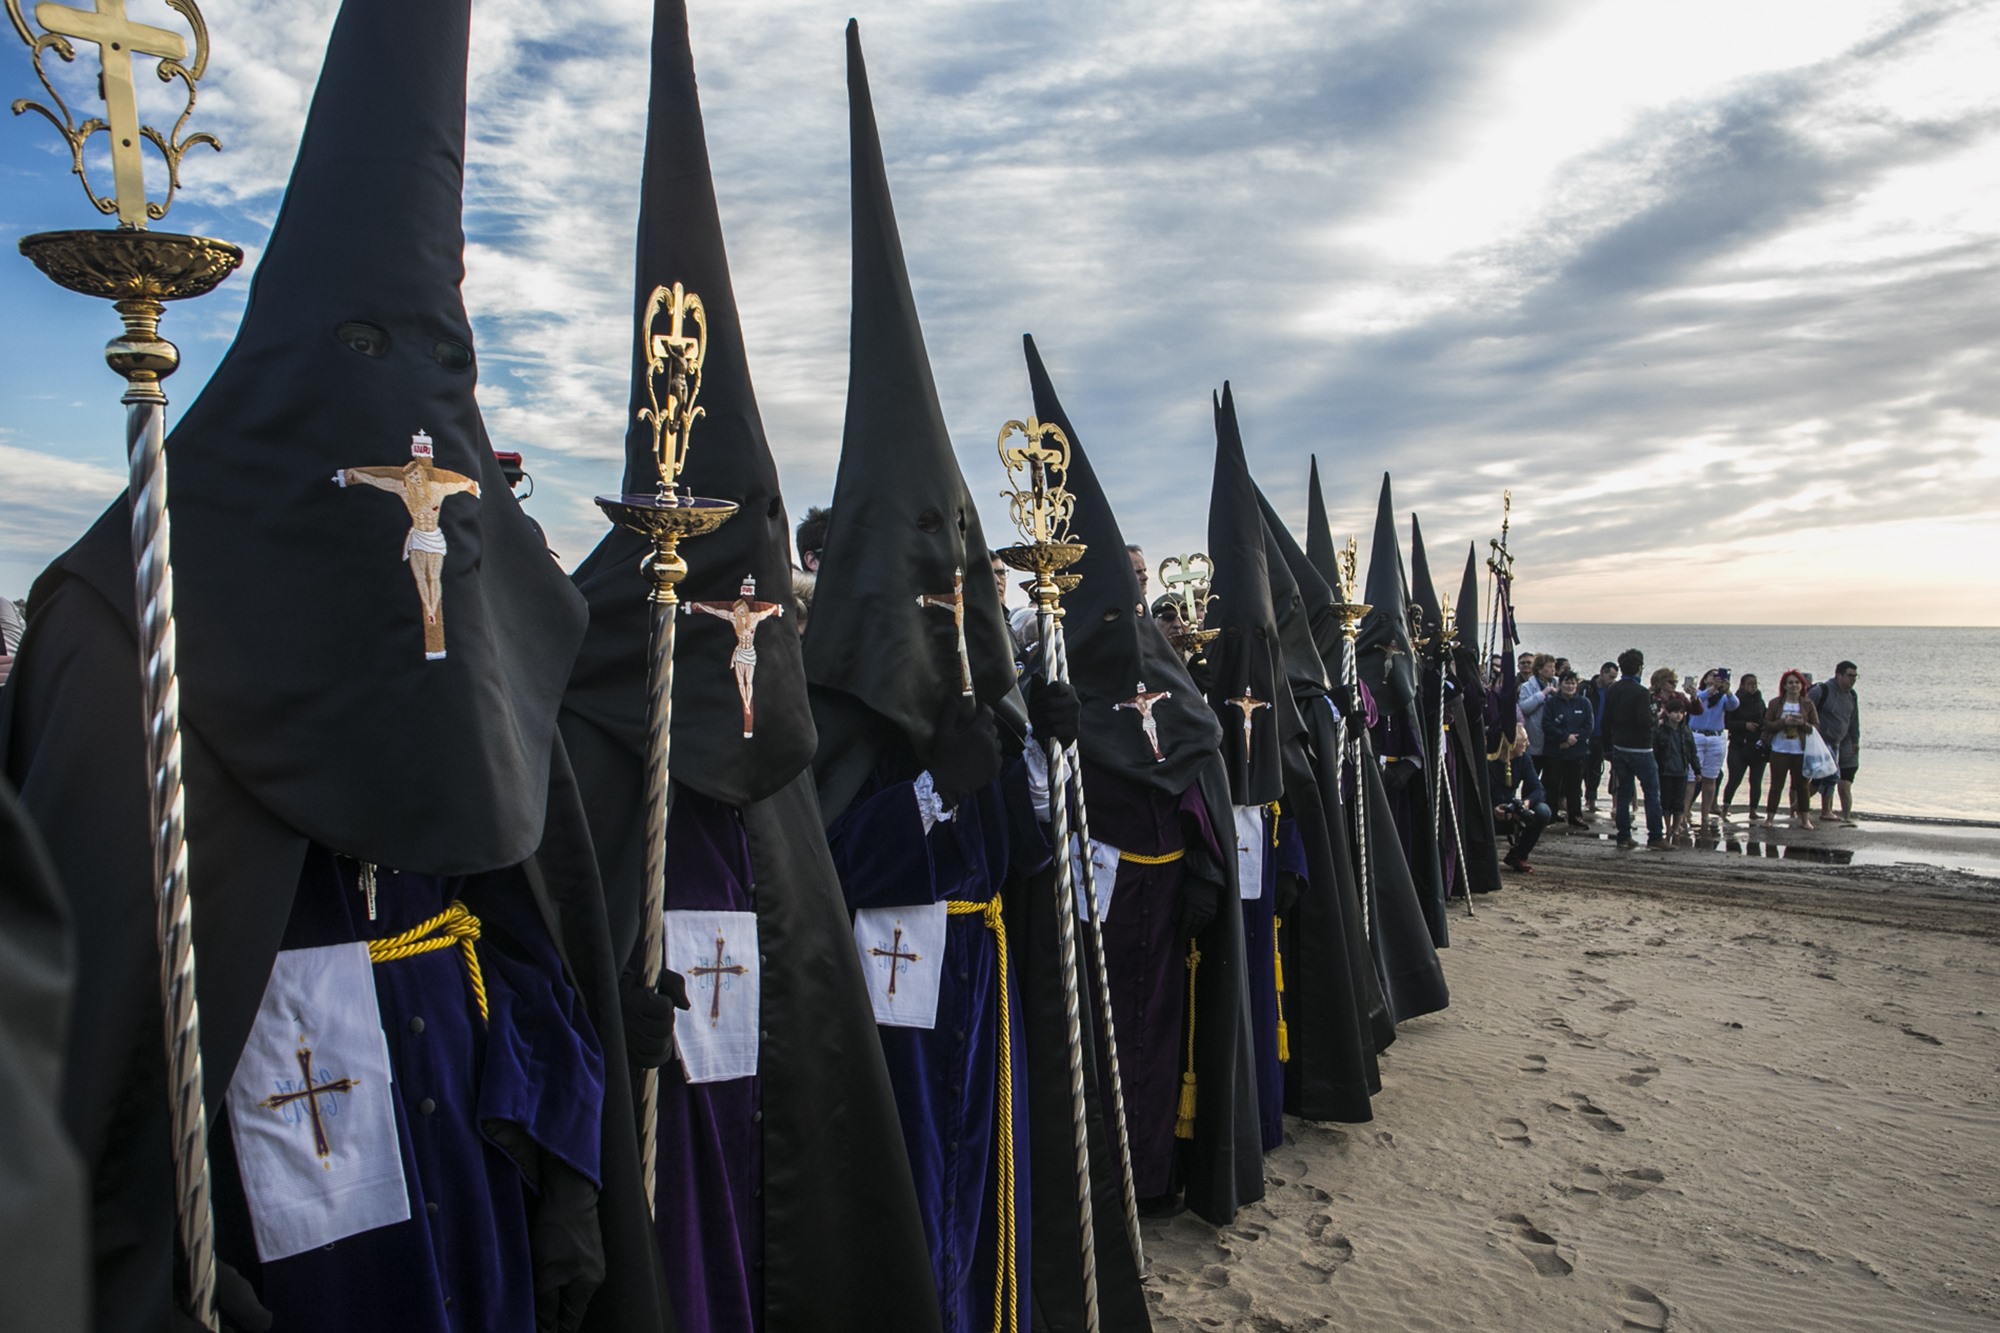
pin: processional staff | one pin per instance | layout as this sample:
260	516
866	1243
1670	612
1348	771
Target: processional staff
1352	613
1041	508
139	270
666	517
1447	802
1501	563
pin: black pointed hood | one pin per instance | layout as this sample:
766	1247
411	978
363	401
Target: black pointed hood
1320	549
308	661
1383	648
904	524
1246	660
1316	603
1116	655
1423	593
680	240
1465	615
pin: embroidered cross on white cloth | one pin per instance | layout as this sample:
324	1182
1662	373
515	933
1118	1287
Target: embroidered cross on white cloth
309	1106
1253	841
717	953
902	954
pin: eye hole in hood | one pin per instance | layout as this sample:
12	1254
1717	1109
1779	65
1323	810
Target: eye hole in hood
368	339
451	354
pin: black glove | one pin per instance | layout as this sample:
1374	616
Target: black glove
235	1302
649	1017
1289	887
1199	899
1201	673
965	750
1343	701
1053	710
568	1248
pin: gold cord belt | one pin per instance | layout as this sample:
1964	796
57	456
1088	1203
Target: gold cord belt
453	926
1278	985
1006	1274
1141	859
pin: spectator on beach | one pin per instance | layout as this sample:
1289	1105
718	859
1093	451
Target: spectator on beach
1674	752
1568	722
1785	725
1628	735
1747	751
1840	727
1593	764
1527	668
1138	571
1536	691
1713	704
1520	805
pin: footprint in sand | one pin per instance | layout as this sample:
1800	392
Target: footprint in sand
1639	1077
1631	1184
1324	1262
1512	1134
1538	1247
1620	1006
1535	1064
1641	1309
1593	1114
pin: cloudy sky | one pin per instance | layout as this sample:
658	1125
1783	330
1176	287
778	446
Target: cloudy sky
1710	285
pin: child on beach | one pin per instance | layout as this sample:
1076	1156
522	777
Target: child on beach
1673	750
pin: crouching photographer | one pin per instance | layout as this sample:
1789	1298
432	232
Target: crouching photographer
1520	805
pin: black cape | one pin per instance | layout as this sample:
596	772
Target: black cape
70	736
43	1239
832	1148
1111	651
1468	737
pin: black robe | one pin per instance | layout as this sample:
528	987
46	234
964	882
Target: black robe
71	737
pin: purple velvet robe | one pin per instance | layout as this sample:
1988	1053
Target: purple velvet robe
946	1076
1285	853
1145	956
461	1263
709	1210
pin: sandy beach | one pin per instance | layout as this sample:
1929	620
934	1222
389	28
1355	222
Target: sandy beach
1684	1090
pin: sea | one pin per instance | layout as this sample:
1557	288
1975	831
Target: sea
1930	698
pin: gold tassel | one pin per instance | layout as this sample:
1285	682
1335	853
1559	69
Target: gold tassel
1278	980
1184	1114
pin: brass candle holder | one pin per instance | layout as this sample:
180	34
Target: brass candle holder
139	271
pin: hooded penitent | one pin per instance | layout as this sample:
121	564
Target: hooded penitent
373	641
1322	1078
811	1139
1325	562
1251	694
1405	958
902	517
1475	813
1156	792
906	636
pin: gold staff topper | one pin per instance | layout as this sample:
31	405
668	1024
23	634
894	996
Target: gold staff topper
1041	508
674	359
1347	564
118	39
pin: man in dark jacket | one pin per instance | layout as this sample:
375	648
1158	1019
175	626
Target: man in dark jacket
1628	737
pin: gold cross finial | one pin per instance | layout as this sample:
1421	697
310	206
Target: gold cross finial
1188	578
675	356
1042	507
118	39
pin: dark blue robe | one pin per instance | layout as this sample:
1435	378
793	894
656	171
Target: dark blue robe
710	1183
945	1076
1281	852
461	1262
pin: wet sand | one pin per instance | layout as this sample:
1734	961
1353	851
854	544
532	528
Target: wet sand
1688	1090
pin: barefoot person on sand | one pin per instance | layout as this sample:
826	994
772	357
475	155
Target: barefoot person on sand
1785	724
